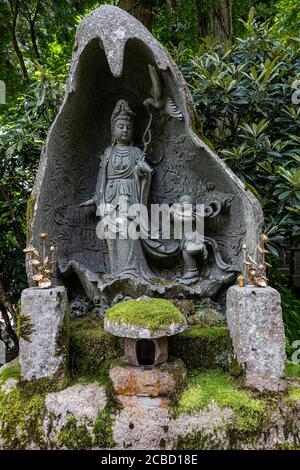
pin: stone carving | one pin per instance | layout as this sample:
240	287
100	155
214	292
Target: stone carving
123	181
116	60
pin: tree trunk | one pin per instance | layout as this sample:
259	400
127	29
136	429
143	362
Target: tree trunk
14	4
140	9
215	20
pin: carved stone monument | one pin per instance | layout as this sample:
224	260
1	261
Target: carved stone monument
126	133
125	140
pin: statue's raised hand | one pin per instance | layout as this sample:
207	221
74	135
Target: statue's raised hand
90	202
144	168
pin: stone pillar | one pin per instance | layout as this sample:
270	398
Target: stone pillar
256	328
44	334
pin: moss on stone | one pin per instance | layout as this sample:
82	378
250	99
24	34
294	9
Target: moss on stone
292	370
10	372
21	418
74	436
202	388
55	383
90	348
24	327
103	429
207	347
154	314
294	394
198	441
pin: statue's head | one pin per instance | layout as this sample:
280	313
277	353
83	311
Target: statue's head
122	121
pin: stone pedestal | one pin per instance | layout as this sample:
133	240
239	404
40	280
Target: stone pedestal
256	328
164	380
44	334
142	390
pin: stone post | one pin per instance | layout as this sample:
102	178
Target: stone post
256	328
44	335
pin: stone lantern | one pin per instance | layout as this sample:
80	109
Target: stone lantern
146	378
145	324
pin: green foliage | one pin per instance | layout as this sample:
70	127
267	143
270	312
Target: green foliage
154	314
243	96
290	308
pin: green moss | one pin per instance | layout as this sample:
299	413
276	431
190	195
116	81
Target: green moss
55	383
90	348
10	372
207	333
24	327
292	370
86	322
21	419
206	347
197	441
74	436
204	387
154	314
102	430
294	394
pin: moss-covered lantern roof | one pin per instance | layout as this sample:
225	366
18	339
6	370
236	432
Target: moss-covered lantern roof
144	318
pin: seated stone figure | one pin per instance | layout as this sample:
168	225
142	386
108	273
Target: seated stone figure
123	181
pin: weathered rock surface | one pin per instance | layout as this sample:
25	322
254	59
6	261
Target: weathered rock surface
78	402
81	401
44	333
256	328
165	380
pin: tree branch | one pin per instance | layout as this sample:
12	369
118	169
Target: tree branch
3	308
14	6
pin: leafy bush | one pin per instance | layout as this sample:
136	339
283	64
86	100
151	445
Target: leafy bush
23	132
243	95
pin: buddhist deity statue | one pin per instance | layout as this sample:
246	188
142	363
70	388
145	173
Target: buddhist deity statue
123	183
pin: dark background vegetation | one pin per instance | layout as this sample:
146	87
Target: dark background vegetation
240	59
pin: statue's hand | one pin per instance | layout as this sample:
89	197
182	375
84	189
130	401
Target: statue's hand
90	202
144	168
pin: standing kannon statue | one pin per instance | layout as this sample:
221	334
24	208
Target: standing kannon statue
123	184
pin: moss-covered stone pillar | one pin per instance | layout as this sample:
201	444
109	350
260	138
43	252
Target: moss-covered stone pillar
43	329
